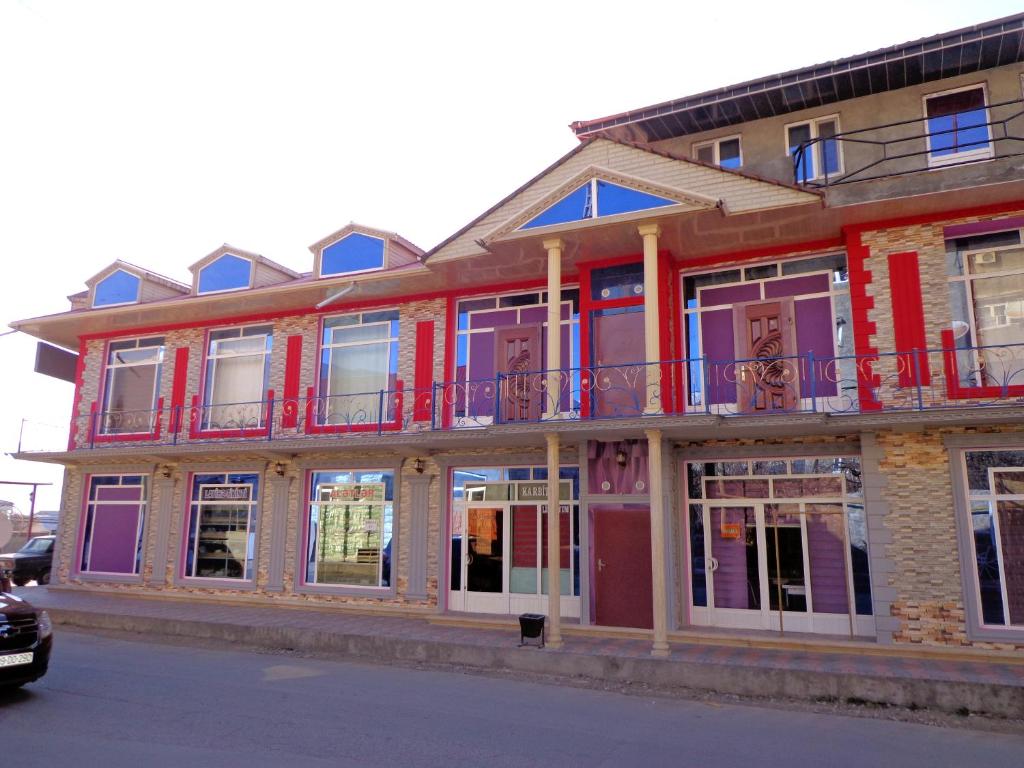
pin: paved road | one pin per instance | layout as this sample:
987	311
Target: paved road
116	702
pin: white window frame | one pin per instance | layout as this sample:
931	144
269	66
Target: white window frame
956	158
252	275
107	379
814	123
138	293
967	278
90	518
343	345
715	144
250	530
210	379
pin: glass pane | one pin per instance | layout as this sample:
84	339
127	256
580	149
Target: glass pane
828	147
986	553
353	253
729	153
1011	541
240	346
613	199
485	556
858	533
575	206
523	568
825	545
785	554
360	333
625	281
130	399
999	318
357	376
706	154
698	562
797	135
222	541
997	261
734	555
564	548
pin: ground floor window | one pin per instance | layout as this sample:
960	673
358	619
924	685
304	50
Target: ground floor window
499	539
222	526
349	527
995	501
114	517
778	544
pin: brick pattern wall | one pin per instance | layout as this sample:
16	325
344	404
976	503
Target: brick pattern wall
921	517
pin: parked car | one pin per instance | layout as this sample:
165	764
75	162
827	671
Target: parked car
32	561
26	637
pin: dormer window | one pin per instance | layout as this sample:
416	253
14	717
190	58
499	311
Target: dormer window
227	273
595	199
355	252
119	287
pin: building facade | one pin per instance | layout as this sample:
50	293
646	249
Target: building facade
760	347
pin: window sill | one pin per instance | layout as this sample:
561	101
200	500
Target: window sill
344	590
960	158
113	578
214	583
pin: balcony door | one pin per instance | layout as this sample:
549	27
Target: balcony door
519	363
767	372
619	386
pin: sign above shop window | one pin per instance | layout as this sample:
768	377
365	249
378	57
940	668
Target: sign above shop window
538	491
360	493
225	493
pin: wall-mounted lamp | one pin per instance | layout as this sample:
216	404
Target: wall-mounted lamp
279	469
621	458
418	465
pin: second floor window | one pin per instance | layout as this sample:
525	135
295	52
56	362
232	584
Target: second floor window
358	367
724	153
957	125
815	151
237	377
131	386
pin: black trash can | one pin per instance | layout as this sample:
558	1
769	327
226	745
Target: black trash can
531	627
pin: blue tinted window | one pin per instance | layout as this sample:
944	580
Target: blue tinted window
618	282
612	199
729	153
118	288
224	274
353	253
576	206
957	122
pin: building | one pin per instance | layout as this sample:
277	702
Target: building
762	343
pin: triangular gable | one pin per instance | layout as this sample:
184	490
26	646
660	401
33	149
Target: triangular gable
263	271
599	193
694	185
130	285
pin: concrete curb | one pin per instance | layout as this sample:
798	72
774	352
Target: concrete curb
663	674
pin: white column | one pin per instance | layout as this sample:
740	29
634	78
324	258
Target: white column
554	632
554	334
652	316
658	576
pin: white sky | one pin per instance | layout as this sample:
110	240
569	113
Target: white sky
155	132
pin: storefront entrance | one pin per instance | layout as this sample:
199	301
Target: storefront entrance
784	551
621	566
499	562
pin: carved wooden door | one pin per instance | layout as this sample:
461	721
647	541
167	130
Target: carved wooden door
518	357
767	372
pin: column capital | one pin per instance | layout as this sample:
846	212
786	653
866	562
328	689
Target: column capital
649	229
653	434
552	243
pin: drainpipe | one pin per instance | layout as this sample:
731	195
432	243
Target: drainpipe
335	296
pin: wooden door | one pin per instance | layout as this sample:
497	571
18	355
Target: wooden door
621	567
518	359
768	378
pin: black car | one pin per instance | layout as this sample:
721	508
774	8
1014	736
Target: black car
32	561
26	636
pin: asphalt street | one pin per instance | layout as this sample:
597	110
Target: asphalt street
125	702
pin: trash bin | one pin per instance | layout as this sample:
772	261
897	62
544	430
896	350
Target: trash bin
531	627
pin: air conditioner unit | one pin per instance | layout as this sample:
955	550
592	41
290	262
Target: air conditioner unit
985	258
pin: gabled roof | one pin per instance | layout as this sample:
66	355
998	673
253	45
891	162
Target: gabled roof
140	272
254	257
970	49
691	182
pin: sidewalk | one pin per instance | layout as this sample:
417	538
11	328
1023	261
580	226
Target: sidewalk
984	686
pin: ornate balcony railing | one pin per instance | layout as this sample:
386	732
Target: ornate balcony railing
895	149
927	380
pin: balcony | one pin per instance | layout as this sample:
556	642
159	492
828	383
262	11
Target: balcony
910	146
698	396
